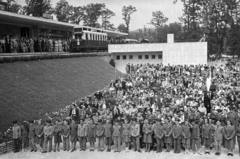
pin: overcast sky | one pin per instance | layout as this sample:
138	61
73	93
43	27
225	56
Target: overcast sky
140	18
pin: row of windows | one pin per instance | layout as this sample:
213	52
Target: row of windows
130	57
88	36
96	37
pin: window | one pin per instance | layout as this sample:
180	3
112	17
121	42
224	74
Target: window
153	57
160	56
124	57
139	56
146	56
117	57
130	57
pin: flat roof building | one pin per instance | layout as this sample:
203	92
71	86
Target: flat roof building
186	53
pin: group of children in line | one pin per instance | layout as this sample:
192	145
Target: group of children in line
123	134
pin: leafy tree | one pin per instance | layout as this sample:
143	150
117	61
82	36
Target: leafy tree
92	12
37	7
106	15
77	14
62	10
158	19
15	7
122	28
126	12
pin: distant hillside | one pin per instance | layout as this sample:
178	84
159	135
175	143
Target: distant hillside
31	89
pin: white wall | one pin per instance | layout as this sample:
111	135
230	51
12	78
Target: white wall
173	53
121	64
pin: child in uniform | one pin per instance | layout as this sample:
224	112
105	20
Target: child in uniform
117	130
108	135
126	134
100	135
91	134
65	134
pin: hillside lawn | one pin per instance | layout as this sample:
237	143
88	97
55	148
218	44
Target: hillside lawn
29	90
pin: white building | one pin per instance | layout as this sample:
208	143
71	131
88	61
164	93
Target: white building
157	53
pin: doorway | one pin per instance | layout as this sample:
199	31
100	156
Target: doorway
24	32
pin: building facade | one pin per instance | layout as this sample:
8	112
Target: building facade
188	53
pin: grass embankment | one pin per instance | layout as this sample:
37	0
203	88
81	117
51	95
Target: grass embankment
28	90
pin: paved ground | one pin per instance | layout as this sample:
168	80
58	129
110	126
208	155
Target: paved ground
111	155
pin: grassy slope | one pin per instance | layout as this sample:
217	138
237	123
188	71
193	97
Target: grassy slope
28	90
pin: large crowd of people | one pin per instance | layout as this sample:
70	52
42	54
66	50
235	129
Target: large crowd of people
16	44
154	107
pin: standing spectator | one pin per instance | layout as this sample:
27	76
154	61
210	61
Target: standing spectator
39	135
195	137
43	44
24	133
177	135
126	135
16	135
135	133
74	112
108	135
159	133
8	44
48	134
147	138
31	45
168	135
57	135
229	136
82	135
73	135
65	135
31	135
100	135
117	131
186	135
206	135
91	133
218	137
207	102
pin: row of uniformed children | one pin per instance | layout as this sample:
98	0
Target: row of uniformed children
166	134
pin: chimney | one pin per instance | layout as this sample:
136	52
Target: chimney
170	38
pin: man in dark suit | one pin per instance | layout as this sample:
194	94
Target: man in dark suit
207	102
8	44
74	112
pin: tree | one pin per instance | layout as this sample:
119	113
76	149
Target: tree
15	7
126	12
37	7
106	15
77	14
92	12
63	10
122	28
12	6
158	19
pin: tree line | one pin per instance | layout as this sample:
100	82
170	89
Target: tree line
216	21
89	14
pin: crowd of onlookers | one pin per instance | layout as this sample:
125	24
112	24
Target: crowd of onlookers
156	107
15	44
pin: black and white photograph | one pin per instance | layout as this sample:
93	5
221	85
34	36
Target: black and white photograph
119	79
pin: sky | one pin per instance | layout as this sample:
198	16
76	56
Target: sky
140	18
